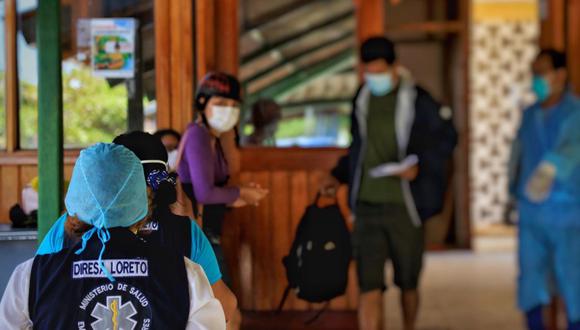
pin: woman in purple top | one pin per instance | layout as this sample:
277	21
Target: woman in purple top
203	169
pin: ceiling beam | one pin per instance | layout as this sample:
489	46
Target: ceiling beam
268	47
302	76
275	14
301	55
327	102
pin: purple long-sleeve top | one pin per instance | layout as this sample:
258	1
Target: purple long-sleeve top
205	168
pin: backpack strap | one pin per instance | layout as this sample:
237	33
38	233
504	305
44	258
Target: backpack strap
283	300
317	315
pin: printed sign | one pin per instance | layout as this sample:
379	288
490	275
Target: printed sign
114	306
117	268
113	47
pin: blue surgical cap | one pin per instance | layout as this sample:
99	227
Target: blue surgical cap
107	190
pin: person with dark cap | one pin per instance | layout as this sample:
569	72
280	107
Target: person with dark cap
203	168
172	231
110	279
266	115
545	182
402	140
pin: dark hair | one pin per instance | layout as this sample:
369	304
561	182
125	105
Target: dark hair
75	228
264	112
149	147
217	84
164	132
378	48
557	57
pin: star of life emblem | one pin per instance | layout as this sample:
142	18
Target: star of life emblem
117	306
116	315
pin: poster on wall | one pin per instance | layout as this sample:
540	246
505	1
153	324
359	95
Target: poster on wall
113	47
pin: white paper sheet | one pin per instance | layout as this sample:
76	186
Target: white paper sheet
392	169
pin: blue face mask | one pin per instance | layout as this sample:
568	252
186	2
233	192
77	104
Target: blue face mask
380	84
541	88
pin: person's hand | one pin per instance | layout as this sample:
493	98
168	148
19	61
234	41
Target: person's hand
253	194
410	174
540	184
238	203
329	186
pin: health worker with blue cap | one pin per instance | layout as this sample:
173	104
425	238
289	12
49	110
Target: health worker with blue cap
111	279
164	228
545	182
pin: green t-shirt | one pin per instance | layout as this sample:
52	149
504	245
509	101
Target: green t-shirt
381	148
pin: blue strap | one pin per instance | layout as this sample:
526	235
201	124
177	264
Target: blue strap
104	236
86	237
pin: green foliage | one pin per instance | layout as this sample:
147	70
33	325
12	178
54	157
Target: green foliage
2	111
92	111
290	128
28	115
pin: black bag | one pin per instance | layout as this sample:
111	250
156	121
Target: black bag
317	264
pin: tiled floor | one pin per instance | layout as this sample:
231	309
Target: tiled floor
461	290
464	291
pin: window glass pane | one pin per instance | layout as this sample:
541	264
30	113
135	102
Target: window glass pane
95	108
304	60
99	108
94	111
309	126
27	73
2	79
316	126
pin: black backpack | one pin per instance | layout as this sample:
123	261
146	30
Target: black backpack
317	264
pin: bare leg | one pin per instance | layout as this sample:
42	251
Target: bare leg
410	307
370	310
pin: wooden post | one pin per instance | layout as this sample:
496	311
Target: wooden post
205	37
162	63
12	101
370	21
227	28
50	154
552	34
174	43
574	43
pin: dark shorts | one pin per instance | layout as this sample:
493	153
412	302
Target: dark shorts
385	232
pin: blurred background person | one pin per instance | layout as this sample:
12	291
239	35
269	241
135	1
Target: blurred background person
545	180
266	115
203	168
395	169
170	139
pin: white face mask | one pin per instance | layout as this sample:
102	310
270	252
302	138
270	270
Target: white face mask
172	159
380	84
223	118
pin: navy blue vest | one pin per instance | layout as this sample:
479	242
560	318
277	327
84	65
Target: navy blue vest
68	291
169	231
